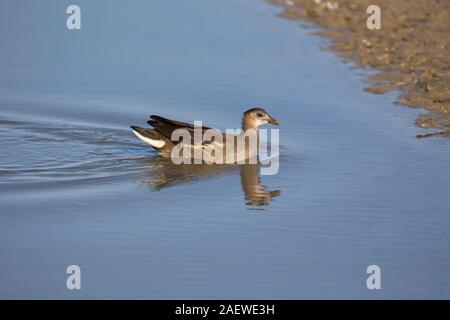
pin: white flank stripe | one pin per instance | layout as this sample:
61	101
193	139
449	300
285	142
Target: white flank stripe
158	144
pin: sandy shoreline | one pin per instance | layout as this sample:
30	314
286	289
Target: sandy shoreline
411	51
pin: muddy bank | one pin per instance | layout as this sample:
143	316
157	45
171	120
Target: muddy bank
411	51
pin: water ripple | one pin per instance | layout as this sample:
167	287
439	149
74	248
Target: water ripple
50	152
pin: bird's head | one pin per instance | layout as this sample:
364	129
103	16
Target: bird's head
255	117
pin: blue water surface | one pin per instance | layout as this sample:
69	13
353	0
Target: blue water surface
355	187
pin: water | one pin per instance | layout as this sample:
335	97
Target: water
355	187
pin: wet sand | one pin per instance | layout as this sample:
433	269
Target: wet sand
411	51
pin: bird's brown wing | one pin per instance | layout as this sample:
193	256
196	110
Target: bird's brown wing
167	126
174	122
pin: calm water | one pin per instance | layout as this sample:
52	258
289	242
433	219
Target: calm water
355	186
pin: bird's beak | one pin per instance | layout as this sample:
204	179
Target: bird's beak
273	121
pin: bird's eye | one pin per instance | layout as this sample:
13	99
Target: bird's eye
259	114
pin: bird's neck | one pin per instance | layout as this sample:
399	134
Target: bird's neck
246	124
247	128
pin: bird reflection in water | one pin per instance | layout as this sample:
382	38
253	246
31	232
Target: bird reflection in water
162	173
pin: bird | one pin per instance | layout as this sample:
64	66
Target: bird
213	142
